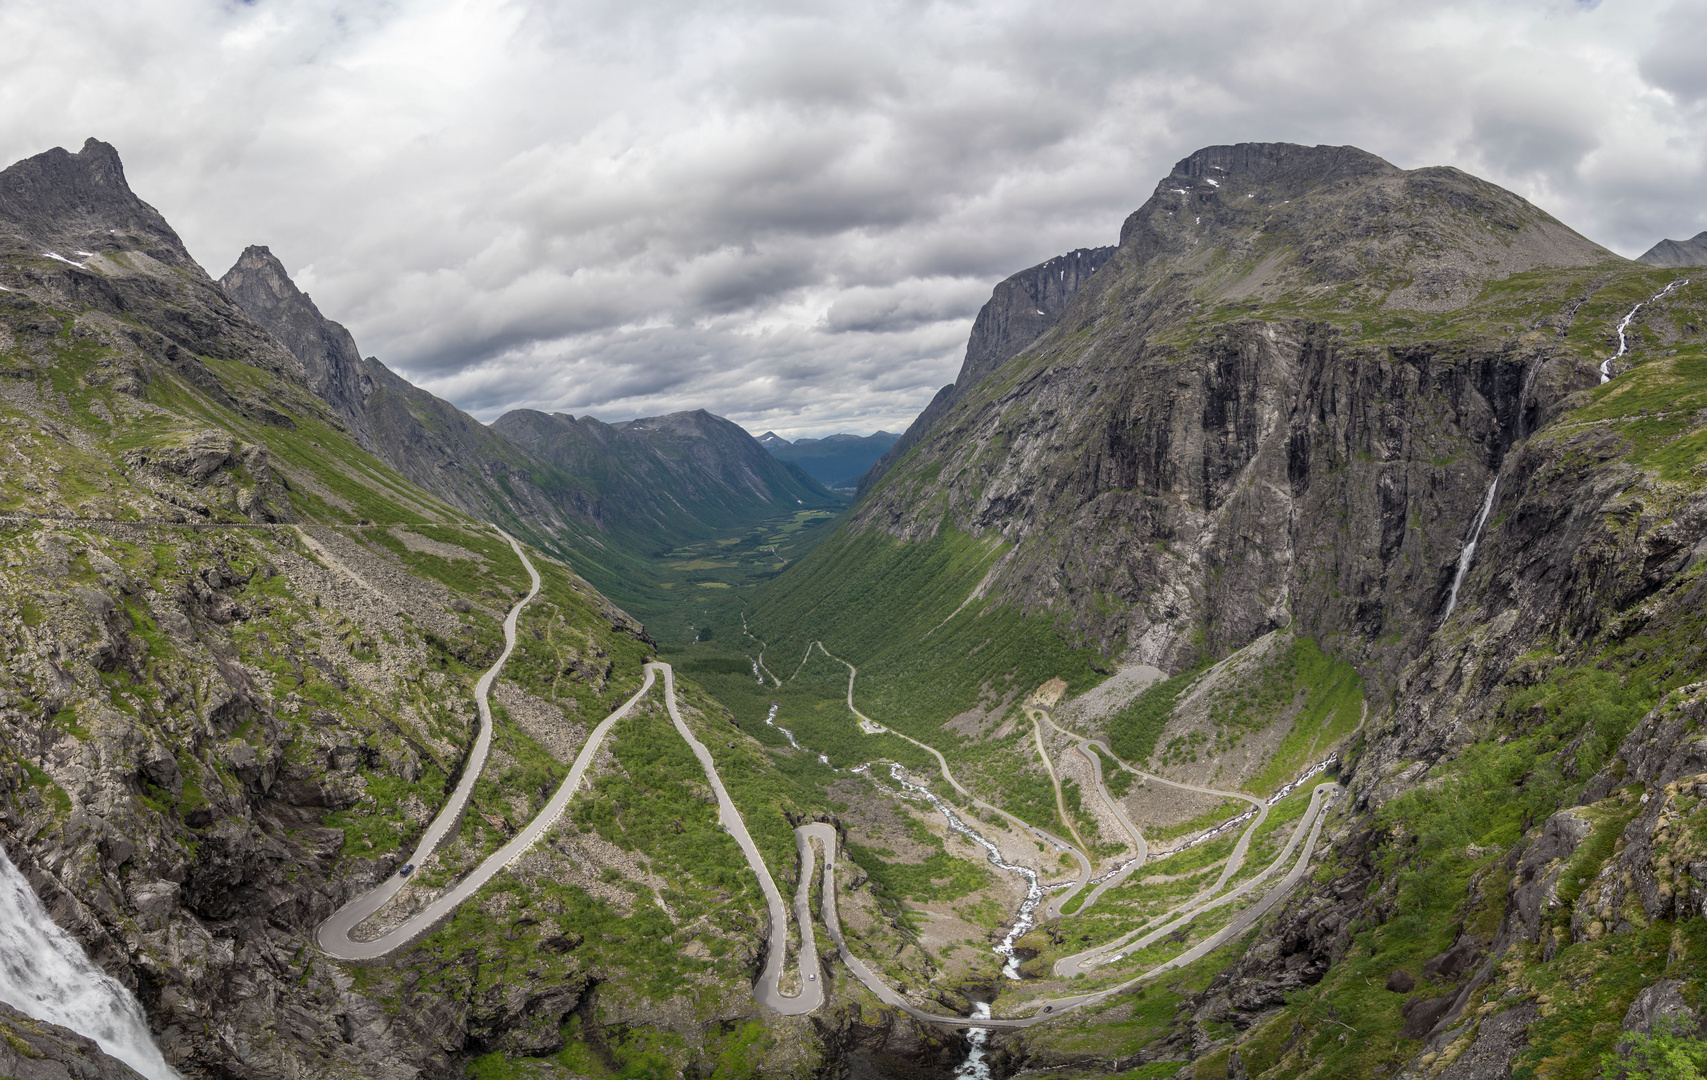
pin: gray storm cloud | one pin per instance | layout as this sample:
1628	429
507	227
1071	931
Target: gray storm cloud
789	213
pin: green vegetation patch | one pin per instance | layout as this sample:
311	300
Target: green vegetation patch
1135	729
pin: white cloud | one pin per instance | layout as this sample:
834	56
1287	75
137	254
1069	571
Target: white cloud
789	213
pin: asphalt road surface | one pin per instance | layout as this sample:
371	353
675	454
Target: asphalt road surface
333	936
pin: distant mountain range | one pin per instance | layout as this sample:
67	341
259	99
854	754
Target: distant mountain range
1691	252
836	461
668	479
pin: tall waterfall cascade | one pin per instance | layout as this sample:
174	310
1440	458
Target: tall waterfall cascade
45	974
1467	554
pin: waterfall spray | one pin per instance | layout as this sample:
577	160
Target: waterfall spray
44	973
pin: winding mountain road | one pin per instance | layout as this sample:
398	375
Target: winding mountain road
1236	859
1140	846
1056	1007
872	727
335	935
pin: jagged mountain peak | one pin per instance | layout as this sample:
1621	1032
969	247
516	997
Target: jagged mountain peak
259	267
260	285
82	202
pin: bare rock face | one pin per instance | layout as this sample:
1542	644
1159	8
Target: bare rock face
1691	252
1023	307
72	231
32	1049
82	202
1173	493
260	286
1018	312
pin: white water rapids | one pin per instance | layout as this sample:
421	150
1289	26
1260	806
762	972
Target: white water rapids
1623	346
44	973
975	1067
1033	893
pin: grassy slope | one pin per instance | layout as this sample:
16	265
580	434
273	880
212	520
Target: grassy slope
306	647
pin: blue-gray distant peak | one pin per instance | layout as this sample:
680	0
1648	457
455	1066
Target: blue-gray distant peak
1691	252
837	461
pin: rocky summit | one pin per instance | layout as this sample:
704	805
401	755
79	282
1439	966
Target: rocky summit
1691	252
1279	653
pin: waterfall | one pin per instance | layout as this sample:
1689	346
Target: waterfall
1623	347
974	1067
44	973
1468	554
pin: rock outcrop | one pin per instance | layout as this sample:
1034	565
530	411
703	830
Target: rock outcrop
260	286
1019	310
32	1049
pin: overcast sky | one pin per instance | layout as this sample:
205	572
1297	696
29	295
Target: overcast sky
788	213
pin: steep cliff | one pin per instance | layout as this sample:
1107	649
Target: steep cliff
1019	310
1282	396
237	661
260	286
1314	397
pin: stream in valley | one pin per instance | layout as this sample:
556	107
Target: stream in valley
1024	921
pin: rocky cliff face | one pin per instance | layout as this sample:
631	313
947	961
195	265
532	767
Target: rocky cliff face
1203	448
437	446
260	286
32	1050
1023	307
1019	310
80	204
